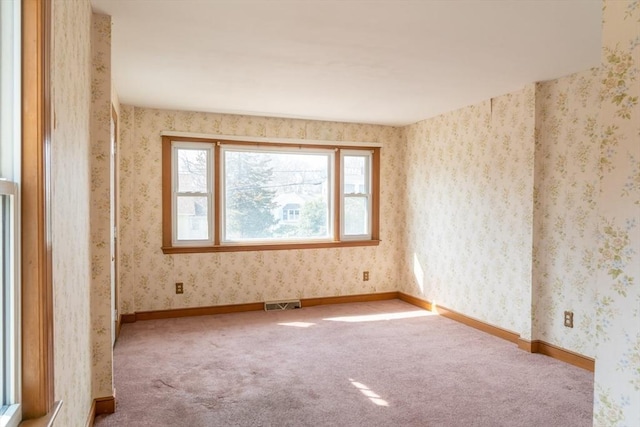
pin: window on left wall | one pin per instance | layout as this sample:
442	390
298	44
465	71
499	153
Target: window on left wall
10	408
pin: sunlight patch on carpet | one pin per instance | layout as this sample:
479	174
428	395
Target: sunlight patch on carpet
381	316
375	398
297	324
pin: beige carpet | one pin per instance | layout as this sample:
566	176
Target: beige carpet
385	363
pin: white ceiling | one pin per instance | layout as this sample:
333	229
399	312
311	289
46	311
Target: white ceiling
387	61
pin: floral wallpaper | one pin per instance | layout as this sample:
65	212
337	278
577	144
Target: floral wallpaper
503	211
565	210
147	276
101	348
469	210
617	376
70	175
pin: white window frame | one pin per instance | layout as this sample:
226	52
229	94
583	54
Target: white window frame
367	195
330	153
175	194
10	408
10	155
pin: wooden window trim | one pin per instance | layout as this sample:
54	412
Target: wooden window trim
36	283
168	248
342	195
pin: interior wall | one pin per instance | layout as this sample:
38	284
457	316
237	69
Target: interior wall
469	210
126	197
586	222
470	173
148	276
617	377
565	230
71	91
102	353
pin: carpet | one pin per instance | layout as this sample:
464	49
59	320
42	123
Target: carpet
383	363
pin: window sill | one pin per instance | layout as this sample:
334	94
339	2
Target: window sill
168	250
47	420
10	415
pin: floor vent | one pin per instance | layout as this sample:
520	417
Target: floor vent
281	305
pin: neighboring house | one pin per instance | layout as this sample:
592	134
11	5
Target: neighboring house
291	212
289	207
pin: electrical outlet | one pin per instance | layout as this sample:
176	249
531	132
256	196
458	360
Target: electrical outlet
179	288
365	276
568	319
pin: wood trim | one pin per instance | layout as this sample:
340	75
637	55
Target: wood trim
47	420
37	297
477	324
458	317
166	192
255	306
559	353
375	194
266	140
100	406
270	247
528	346
128	318
383	296
567	356
337	195
535	346
271	142
92	415
167	241
217	201
414	301
105	405
198	311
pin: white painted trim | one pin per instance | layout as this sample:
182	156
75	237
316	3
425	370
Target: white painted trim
369	156
293	141
10	302
210	194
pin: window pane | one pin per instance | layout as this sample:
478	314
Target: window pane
8	315
5	279
276	195
192	170
355	171
10	107
192	218
9	88
356	216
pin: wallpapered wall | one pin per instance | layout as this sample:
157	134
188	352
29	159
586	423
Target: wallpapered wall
617	377
102	352
70	69
565	210
475	234
586	231
469	210
147	276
